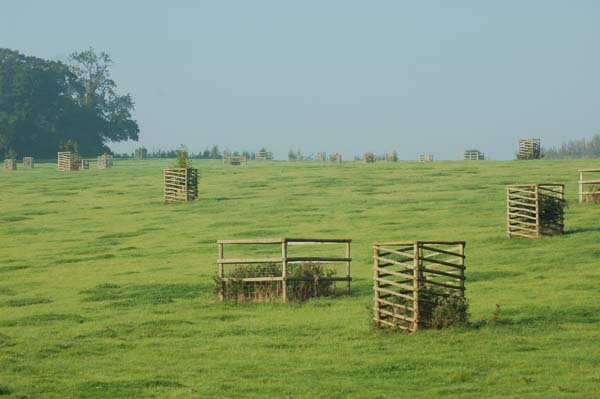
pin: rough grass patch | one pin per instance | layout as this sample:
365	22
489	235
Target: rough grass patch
25	302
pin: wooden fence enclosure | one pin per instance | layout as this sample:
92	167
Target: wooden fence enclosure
284	274
68	161
180	184
529	149
589	190
335	158
474	155
141	153
263	156
426	157
410	278
391	157
85	164
321	157
534	210
235	160
369	157
10	164
105	161
28	162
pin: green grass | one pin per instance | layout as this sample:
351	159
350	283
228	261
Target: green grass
106	292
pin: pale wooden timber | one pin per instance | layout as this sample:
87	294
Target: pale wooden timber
401	289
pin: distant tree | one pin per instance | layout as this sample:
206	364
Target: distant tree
215	153
246	154
576	149
292	155
206	154
105	114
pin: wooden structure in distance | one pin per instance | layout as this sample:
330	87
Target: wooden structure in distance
409	275
589	190
474	155
10	164
426	157
105	161
180	184
68	161
335	158
534	210
391	157
263	156
28	162
321	157
369	157
284	260
529	149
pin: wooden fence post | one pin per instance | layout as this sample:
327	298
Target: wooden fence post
376	283
284	270
348	267
416	284
537	211
221	273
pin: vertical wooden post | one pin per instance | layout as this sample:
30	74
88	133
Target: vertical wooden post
537	210
508	230
284	270
376	307
580	187
416	283
462	271
221	273
348	267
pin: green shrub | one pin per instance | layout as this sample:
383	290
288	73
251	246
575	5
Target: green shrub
309	286
439	312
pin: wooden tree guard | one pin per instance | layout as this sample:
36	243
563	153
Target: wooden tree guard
68	161
335	158
589	190
534	210
180	184
263	156
321	157
407	274
105	161
141	153
474	155
426	157
235	160
529	149
85	164
369	157
285	260
391	157
10	164
28	162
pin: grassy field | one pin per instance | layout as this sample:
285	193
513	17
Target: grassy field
106	292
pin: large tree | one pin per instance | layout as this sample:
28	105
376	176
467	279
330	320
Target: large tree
45	103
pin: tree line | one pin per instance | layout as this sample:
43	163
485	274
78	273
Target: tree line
575	149
44	104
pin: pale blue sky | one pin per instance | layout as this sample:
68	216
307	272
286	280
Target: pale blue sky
345	76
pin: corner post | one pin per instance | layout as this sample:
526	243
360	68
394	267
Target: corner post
221	273
348	266
538	229
376	306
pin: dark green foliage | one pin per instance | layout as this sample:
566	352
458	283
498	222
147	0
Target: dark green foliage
576	149
43	103
551	214
182	158
70	146
309	286
439	312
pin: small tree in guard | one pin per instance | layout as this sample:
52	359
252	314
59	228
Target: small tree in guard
10	164
419	284
335	158
426	157
474	155
529	149
534	210
28	162
181	182
105	161
589	190
391	157
320	156
141	153
68	161
281	276
369	157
